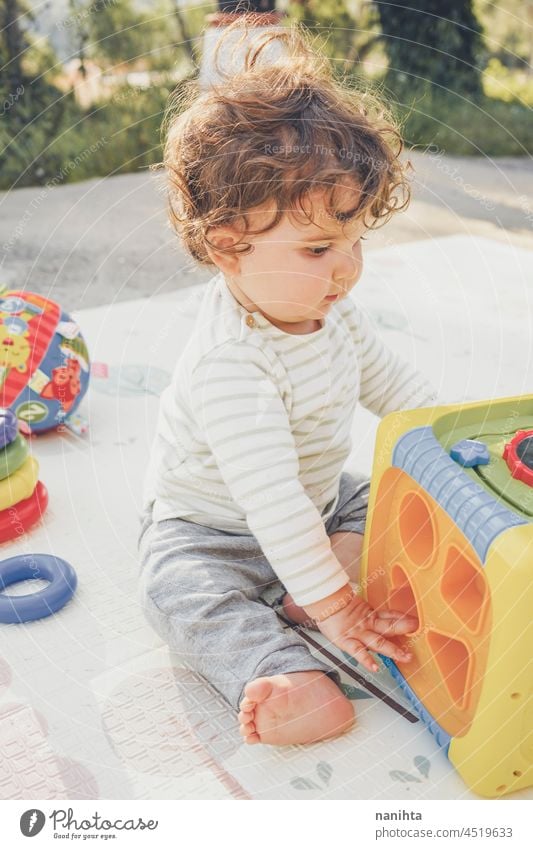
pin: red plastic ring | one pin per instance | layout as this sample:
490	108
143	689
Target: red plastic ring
17	519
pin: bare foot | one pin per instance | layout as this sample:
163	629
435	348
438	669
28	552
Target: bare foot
299	707
297	614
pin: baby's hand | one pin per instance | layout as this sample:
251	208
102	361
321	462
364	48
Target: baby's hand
358	626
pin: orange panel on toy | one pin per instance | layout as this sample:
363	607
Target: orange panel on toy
401	595
464	588
416	525
420	562
454	661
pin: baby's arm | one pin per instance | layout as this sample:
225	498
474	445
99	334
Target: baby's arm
240	412
353	626
388	382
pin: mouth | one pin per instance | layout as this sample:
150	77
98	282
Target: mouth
332	298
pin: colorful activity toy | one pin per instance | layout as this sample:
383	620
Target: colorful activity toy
44	362
450	540
25	608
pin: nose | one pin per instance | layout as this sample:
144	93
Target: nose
348	273
343	284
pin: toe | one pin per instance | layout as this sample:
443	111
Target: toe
258	690
252	738
247	705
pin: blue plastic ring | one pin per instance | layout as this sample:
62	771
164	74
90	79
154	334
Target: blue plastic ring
24	608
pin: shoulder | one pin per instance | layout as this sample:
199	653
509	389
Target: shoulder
232	353
218	330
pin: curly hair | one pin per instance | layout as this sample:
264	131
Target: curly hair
276	130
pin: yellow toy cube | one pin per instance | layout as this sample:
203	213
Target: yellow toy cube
450	539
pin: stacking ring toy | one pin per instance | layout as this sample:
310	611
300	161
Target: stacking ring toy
9	426
12	456
20	484
16	520
25	608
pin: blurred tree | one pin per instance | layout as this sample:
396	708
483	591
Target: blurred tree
79	13
155	37
34	112
347	32
186	39
432	42
118	33
13	42
508	27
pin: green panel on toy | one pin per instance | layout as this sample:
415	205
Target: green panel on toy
496	433
44	362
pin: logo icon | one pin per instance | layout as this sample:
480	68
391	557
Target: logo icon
32	822
31	411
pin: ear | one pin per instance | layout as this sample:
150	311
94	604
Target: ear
223	237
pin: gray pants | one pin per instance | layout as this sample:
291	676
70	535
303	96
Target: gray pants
199	588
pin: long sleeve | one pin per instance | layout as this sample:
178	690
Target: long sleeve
242	417
388	382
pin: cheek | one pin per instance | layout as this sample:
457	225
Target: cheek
308	290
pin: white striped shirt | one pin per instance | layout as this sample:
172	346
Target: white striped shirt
255	428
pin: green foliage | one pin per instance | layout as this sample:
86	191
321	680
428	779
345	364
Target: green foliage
342	33
467	127
159	36
432	43
117	136
47	138
507	30
505	84
34	111
30	148
118	33
332	25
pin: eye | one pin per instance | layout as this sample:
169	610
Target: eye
319	251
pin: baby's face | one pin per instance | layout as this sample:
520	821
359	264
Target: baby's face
296	266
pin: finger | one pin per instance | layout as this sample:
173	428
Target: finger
386	613
356	649
377	642
391	626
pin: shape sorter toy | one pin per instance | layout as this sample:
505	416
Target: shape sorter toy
450	539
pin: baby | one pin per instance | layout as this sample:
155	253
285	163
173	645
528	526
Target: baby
275	176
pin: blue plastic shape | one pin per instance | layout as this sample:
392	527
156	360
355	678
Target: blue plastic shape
9	426
470	453
25	608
